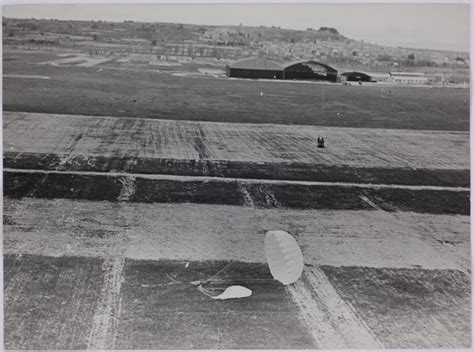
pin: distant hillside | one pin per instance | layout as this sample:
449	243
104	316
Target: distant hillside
223	42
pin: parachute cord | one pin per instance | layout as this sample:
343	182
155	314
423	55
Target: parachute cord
225	267
204	291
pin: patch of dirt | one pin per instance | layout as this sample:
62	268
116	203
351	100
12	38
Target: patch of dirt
7	220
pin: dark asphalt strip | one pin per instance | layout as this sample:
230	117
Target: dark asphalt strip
238	169
125	187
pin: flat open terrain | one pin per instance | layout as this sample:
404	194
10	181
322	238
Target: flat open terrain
406	277
124	186
255	151
218	232
117	159
108	137
102	91
149	317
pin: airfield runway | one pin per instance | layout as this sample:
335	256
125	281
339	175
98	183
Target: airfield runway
108	220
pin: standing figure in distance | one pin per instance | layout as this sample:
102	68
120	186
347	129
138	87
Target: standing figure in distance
320	142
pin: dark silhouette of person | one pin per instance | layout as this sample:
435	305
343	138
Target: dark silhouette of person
320	142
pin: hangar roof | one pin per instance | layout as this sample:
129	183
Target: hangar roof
289	64
257	63
347	73
414	74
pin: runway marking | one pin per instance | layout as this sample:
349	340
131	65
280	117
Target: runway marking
270	198
66	159
369	202
108	311
128	189
25	76
332	322
243	180
248	201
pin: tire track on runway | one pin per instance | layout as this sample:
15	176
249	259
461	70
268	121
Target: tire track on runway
332	322
108	311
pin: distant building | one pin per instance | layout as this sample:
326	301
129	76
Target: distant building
379	77
255	68
309	70
408	77
356	76
298	70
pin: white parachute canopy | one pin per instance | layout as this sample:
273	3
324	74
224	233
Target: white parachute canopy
284	256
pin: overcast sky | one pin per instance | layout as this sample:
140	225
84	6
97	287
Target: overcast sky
431	26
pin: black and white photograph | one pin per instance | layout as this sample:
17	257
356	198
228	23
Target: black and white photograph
222	176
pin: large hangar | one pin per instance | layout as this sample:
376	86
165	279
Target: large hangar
257	67
309	70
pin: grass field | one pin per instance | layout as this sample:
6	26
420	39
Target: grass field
148	93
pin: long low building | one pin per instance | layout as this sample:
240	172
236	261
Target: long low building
255	68
297	70
408	77
357	76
